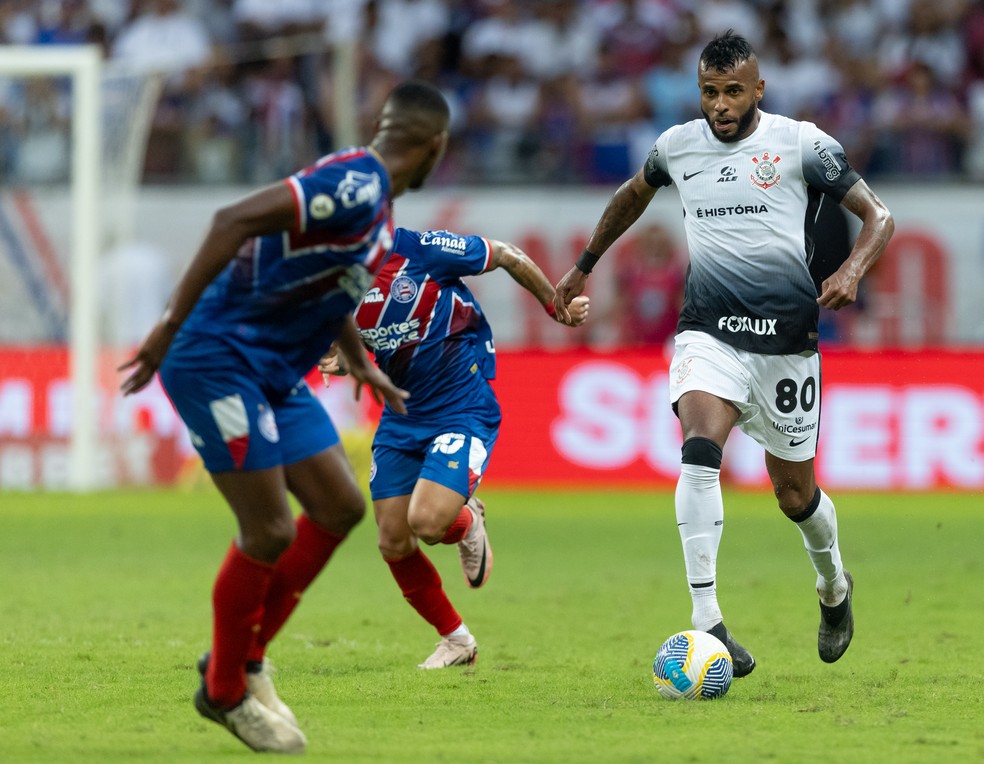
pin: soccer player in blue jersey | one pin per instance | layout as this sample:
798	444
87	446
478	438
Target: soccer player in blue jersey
274	283
746	356
429	334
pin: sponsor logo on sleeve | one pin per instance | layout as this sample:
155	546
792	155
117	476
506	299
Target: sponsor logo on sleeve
826	158
322	206
359	188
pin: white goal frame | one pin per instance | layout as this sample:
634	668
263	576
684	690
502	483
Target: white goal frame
83	64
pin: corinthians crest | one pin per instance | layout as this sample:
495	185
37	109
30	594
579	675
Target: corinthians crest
765	175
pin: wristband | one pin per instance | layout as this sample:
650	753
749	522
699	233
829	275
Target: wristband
586	262
551	309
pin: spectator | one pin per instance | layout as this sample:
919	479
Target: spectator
922	125
974	84
563	40
501	32
503	115
849	111
278	121
66	23
18	22
263	19
41	123
632	38
216	125
795	86
931	37
854	26
403	28
611	108
163	38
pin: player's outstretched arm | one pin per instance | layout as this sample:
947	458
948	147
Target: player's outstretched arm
365	372
623	209
877	227
528	275
266	211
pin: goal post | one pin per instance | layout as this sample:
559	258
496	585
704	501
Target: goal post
83	65
85	256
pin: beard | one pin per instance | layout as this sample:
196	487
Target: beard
744	121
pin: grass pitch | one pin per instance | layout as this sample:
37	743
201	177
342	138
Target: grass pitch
105	608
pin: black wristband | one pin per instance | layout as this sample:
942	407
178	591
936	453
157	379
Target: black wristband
586	262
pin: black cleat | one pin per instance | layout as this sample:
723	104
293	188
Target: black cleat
836	626
741	659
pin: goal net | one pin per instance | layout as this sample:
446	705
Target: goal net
73	135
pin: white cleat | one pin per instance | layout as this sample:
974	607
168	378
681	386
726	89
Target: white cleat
474	548
452	651
259	682
253	723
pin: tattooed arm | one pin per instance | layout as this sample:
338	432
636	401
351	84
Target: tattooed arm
624	208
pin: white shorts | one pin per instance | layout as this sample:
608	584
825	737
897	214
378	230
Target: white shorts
778	396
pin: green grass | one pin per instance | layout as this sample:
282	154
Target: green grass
105	607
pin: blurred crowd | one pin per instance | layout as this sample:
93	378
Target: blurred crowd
542	91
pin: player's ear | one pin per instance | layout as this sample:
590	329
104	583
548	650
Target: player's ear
439	143
759	90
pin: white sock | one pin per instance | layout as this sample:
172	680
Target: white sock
700	517
820	538
461	631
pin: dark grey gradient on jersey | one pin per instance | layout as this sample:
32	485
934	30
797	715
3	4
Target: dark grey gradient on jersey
753	308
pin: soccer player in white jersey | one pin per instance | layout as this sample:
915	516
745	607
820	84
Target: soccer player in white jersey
746	352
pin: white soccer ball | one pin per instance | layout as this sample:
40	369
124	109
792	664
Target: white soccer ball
693	665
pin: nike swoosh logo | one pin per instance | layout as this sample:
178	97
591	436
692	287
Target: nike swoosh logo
798	442
691	175
477	581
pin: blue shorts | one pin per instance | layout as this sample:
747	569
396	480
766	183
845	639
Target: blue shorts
453	453
235	424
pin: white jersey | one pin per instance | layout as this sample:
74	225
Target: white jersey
750	208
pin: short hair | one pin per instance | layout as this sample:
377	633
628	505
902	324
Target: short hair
725	52
420	96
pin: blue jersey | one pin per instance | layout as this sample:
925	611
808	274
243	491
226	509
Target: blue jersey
279	304
425	327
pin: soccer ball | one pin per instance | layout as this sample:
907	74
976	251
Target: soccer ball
693	665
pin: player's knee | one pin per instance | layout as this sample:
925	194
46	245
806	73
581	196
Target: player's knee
427	527
395	548
351	509
702	452
268	540
796	498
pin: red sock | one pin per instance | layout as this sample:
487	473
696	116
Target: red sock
237	607
294	572
421	586
459	527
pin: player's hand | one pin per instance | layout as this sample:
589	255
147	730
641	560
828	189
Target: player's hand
578	311
332	365
148	358
380	386
838	291
567	289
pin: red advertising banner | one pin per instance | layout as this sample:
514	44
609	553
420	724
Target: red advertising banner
890	420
